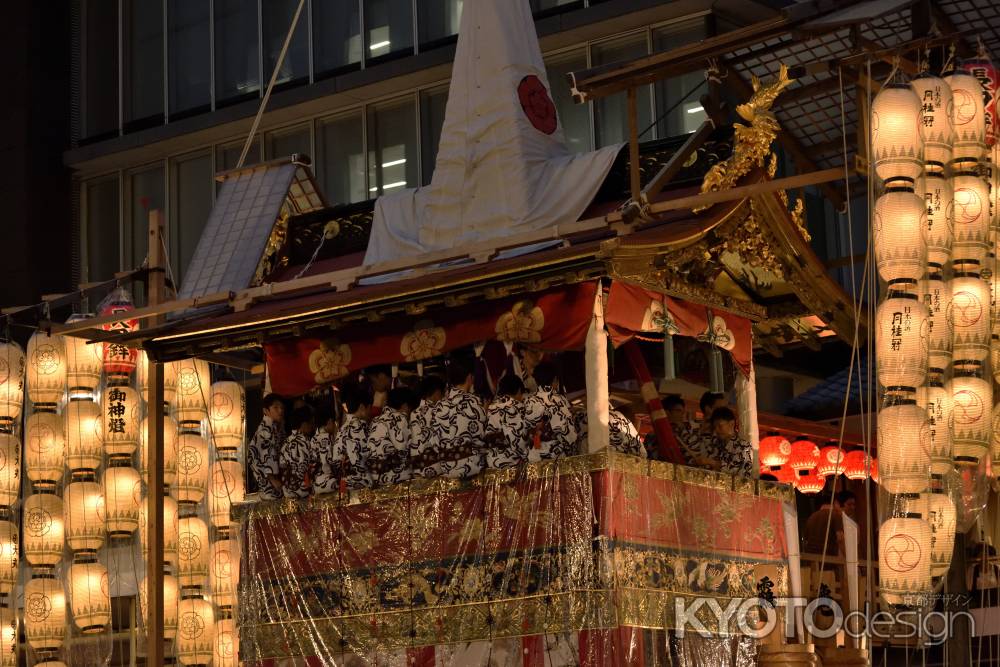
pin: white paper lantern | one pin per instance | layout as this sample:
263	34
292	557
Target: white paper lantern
170	530
897	145
193	391
224	572
904	459
84	516
8	557
901	341
43	529
939	204
936	400
90	598
169	450
11	380
971	418
227	644
967	117
45	613
227	415
84	362
936	129
192	468
942	518
970	317
193	552
900	242
8	636
971	215
226	488
122	499
169	378
46	368
10	469
121	408
45	449
936	296
904	560
84	435
171	596
195	632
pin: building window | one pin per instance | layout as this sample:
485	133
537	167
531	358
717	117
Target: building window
388	28
551	6
611	113
237	59
680	92
100	69
392	147
146	193
191	202
143	63
285	143
188	56
341	164
276	20
438	21
432	107
573	118
336	35
103	228
228	155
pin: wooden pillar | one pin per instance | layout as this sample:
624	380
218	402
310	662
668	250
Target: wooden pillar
635	183
746	406
598	401
154	401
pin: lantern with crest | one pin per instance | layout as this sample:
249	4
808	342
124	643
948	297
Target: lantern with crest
119	359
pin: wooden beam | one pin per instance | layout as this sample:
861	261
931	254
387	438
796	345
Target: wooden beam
676	162
144	313
787	140
635	185
744	191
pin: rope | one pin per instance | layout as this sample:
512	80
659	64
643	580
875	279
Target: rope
270	85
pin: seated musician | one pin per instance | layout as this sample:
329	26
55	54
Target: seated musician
347	459
389	439
548	410
297	454
506	430
423	444
262	453
727	451
459	425
322	443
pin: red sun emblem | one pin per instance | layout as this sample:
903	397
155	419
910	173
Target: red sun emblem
902	553
537	104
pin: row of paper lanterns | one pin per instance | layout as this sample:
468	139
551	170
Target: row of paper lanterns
57	368
805	465
934	216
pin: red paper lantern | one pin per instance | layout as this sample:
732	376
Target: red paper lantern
857	464
874	470
810	483
774	451
831	461
119	360
785	475
805	455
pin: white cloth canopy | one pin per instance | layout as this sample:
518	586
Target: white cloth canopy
502	164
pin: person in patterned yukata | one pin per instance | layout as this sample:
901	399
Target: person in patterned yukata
322	447
348	459
697	441
506	430
262	454
623	436
389	439
423	444
728	452
550	410
297	454
459	424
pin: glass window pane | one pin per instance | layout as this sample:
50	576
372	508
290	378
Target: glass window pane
336	34
539	6
342	160
438	19
103	229
147	194
143	60
191	199
189	55
611	113
574	118
228	155
388	28
432	105
276	18
392	147
285	143
100	67
679	94
237	60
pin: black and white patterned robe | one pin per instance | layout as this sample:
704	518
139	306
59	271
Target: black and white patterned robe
459	425
389	447
734	455
297	461
552	411
508	434
623	436
327	474
262	457
351	447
